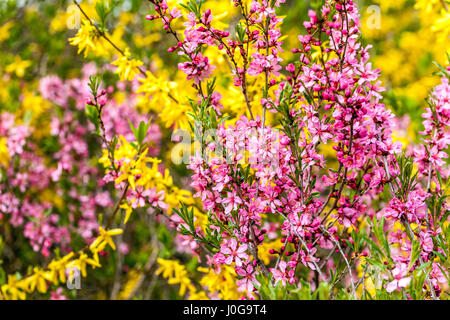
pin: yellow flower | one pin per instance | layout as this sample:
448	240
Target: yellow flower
144	41
34	104
127	67
88	39
263	251
59	22
18	66
82	262
58	268
152	84
13	290
4	153
105	238
37	280
426	5
177	274
141	170
201	295
4	31
223	283
48	195
133	277
128	211
442	26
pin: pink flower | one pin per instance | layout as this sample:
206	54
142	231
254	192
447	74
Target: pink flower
426	242
52	89
283	274
198	69
309	259
124	248
231	202
137	197
175	13
248	280
234	253
290	68
400	281
155	198
319	131
141	197
57	295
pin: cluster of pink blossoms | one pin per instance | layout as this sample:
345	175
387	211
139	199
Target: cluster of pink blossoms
259	178
430	156
17	204
415	207
357	124
196	34
61	164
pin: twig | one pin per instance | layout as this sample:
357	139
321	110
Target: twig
345	259
304	244
118	272
104	36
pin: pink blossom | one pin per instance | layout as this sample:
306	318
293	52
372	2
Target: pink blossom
400	280
234	253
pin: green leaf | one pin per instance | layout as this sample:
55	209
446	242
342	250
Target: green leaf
142	132
93	115
424	266
133	129
2	276
415	252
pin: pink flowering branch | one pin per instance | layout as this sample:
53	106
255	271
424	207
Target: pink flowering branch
256	177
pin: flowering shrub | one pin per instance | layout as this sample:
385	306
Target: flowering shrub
296	185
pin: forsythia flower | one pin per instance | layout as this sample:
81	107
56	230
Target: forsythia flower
82	262
13	290
4	31
37	281
4	154
223	282
18	66
58	267
176	273
426	5
263	252
198	296
442	26
133	278
148	184
104	239
152	85
56	270
127	67
87	39
34	104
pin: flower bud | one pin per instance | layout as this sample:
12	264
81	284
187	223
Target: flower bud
290	68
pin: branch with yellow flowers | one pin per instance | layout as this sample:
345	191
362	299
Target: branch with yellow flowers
55	272
221	283
126	66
